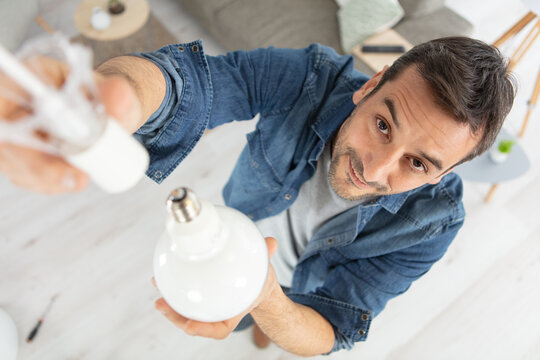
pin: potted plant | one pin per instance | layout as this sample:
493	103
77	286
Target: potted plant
116	7
501	152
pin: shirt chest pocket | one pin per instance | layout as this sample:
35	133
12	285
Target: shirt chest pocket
259	174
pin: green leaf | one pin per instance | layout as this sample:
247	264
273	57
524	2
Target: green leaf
505	146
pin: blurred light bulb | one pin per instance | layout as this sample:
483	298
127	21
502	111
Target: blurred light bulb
71	120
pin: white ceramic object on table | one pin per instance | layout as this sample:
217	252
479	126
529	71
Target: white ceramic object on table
212	262
9	342
100	19
497	156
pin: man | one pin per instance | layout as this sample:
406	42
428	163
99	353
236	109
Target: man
351	175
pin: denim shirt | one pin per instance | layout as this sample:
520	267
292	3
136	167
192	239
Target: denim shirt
358	260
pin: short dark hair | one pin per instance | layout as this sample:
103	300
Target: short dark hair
470	80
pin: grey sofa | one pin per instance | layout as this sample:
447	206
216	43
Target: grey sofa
248	24
15	20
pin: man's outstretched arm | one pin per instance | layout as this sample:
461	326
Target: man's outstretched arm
296	328
143	76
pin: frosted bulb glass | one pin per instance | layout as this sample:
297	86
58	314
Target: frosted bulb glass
212	262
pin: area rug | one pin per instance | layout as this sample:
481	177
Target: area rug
152	36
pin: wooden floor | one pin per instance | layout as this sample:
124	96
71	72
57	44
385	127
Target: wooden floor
481	301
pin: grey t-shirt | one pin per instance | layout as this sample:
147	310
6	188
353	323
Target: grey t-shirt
316	203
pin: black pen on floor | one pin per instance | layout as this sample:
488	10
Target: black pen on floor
35	330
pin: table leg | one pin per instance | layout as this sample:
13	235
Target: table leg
531	104
44	25
490	193
515	29
525	45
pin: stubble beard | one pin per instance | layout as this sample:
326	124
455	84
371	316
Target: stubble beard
339	152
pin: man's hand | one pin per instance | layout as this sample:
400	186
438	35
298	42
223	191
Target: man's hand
222	329
40	172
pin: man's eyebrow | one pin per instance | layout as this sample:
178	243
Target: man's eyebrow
436	162
390	105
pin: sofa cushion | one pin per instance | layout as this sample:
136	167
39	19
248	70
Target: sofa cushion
248	24
415	8
15	19
205	11
439	23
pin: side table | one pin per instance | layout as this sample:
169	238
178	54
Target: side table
483	169
122	25
135	30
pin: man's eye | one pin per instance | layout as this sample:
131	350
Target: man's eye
383	126
418	165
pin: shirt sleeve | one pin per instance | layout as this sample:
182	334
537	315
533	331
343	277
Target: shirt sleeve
207	91
355	292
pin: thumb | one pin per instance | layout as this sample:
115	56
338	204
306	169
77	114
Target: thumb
272	246
120	100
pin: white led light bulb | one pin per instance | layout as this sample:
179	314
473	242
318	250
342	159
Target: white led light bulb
212	262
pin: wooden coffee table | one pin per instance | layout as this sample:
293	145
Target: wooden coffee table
135	30
122	25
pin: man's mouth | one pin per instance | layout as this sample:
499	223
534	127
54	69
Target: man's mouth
355	177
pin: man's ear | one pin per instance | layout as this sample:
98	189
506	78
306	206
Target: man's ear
368	86
438	178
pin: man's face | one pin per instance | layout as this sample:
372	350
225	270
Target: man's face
396	140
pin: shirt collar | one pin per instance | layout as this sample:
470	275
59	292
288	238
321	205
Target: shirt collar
392	203
329	122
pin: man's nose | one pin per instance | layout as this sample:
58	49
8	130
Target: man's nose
380	164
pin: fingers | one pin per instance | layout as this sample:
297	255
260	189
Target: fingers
26	167
272	246
215	330
121	101
14	100
39	172
177	319
49	70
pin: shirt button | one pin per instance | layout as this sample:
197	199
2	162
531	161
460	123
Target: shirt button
330	241
365	317
158	174
361	332
287	196
181	48
195	48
